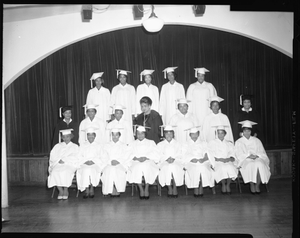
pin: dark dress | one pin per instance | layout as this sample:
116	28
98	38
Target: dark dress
62	125
251	116
152	120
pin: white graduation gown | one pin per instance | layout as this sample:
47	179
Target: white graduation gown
223	149
194	171
90	174
150	91
167	102
102	99
149	168
249	167
125	96
199	95
182	122
170	170
126	133
208	132
96	123
115	174
62	174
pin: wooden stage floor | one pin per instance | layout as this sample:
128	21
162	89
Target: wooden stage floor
31	209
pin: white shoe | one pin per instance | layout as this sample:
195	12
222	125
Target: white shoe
65	197
60	197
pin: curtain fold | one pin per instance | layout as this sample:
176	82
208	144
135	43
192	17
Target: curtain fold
237	65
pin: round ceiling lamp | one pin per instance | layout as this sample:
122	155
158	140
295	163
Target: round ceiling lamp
153	23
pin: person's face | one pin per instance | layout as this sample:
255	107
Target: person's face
221	134
122	79
171	77
194	136
145	107
183	108
98	82
67	114
247	103
200	77
115	136
169	135
91	137
91	113
247	133
66	138
148	79
118	114
140	135
215	107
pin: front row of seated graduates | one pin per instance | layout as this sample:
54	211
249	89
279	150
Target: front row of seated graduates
195	163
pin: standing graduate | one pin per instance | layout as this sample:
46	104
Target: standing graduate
100	96
247	113
92	121
124	94
199	93
170	92
66	123
149	118
147	89
182	120
215	118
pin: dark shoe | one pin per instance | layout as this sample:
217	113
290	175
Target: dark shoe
224	193
175	196
105	195
85	196
117	196
170	195
196	195
92	196
257	192
146	197
253	193
201	195
229	193
141	197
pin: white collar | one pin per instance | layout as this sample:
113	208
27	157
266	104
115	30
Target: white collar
250	109
66	121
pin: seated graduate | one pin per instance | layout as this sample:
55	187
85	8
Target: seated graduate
253	160
144	157
198	163
66	123
215	117
183	120
92	121
119	122
63	163
149	118
114	173
171	164
91	163
223	152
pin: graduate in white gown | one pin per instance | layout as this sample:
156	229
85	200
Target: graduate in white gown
253	161
170	92
63	163
91	163
214	118
114	173
92	121
171	164
124	94
199	93
183	120
119	122
223	152
147	89
100	96
144	158
198	163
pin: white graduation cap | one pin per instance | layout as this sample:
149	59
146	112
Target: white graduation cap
193	129
182	100
200	70
89	106
215	98
90	130
121	71
95	76
166	128
140	128
219	127
118	107
168	70
247	123
146	72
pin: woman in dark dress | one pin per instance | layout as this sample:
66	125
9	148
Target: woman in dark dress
247	113
149	118
65	123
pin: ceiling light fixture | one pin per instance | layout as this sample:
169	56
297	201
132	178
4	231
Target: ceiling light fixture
153	23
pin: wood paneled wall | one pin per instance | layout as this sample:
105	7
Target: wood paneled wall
34	170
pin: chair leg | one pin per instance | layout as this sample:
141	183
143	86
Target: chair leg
186	190
239	184
77	193
132	188
267	187
53	191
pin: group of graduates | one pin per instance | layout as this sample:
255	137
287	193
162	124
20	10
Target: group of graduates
140	136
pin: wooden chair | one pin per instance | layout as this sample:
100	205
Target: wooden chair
133	185
73	185
240	178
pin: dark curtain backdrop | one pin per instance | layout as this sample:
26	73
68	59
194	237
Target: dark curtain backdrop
237	65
